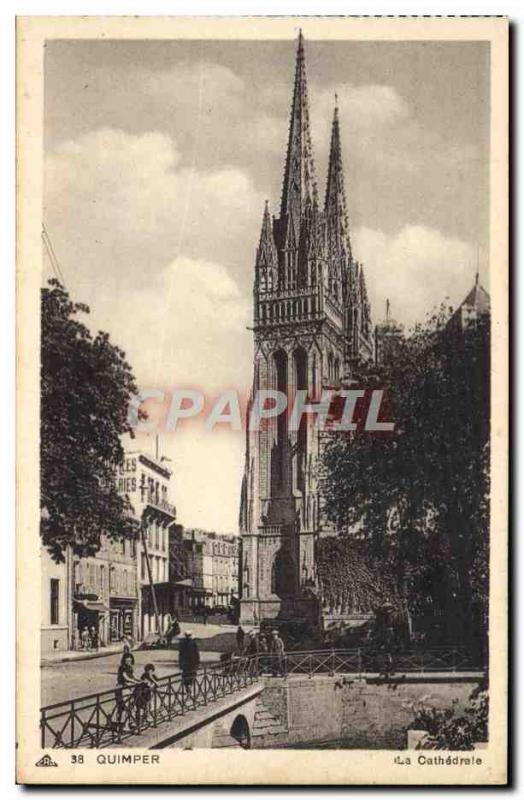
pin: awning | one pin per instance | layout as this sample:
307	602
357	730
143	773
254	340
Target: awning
184	582
90	605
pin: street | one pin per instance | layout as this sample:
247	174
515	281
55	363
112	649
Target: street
64	681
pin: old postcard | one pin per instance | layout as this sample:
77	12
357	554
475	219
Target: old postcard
263	400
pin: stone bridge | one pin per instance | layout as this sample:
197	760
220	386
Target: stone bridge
226	722
316	698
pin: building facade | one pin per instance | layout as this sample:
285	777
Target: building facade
56	602
225	569
311	324
145	480
213	565
473	308
106	593
179	572
388	334
199	551
111	590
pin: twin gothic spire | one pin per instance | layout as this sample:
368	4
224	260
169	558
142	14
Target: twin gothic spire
306	242
299	190
335	209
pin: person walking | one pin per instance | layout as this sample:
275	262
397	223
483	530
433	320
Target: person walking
251	652
126	653
172	631
93	638
240	639
278	654
189	660
263	652
84	638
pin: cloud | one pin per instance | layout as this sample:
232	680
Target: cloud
188	329
110	180
417	268
202	82
149	240
363	107
150	246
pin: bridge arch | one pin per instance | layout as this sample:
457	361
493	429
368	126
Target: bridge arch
240	732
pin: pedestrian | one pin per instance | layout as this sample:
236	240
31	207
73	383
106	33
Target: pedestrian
263	652
144	692
277	653
125	703
93	638
251	651
188	659
84	638
126	653
172	631
240	639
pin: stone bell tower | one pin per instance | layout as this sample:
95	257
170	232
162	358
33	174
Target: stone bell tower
311	321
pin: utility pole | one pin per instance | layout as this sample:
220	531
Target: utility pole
150	577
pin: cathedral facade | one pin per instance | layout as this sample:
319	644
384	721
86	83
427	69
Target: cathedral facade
311	324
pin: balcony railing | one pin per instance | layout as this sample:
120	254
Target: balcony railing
270	530
156	501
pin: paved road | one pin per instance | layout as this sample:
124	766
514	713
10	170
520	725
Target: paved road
63	681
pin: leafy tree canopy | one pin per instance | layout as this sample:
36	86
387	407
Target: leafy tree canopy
418	497
86	386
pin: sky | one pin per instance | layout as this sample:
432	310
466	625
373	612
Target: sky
159	156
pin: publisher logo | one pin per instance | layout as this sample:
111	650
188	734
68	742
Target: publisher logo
46	761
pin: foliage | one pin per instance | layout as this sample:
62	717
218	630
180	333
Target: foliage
451	728
418	497
346	580
86	386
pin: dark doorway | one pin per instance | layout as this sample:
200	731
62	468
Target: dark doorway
283	575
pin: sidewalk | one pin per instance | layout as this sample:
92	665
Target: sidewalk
63	656
200	631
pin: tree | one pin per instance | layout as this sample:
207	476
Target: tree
86	386
454	728
419	497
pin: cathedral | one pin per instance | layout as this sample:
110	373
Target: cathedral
311	324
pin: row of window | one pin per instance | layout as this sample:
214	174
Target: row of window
93	577
157	536
159	569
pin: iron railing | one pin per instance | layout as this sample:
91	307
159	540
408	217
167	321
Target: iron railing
108	718
367	660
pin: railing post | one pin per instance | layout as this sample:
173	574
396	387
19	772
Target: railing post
332	671
183	696
453	660
155	708
359	662
97	718
310	659
205	685
72	712
169	697
42	729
